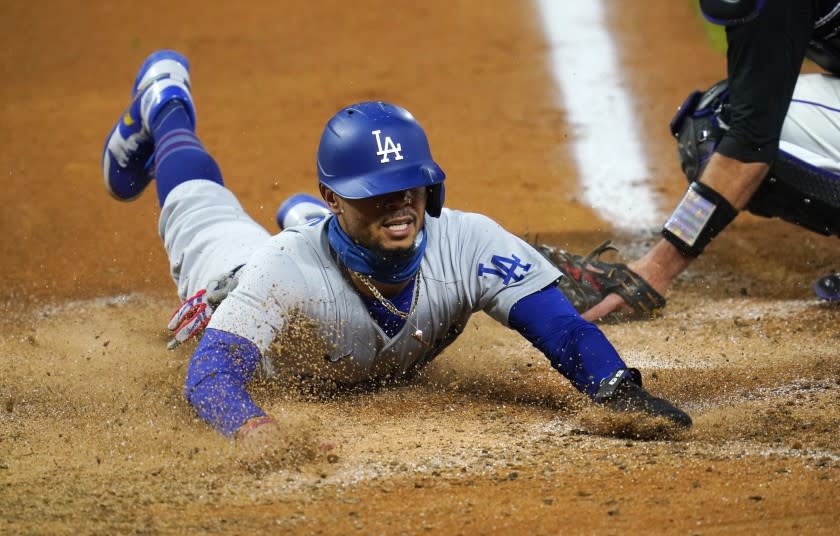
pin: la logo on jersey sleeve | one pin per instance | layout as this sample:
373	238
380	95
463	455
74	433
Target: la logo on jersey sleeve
506	268
389	147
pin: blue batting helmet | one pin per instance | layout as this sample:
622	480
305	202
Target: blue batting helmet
376	148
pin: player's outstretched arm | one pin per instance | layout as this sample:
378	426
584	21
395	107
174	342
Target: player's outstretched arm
219	370
575	347
581	352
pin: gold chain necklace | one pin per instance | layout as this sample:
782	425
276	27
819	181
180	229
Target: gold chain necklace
386	302
418	333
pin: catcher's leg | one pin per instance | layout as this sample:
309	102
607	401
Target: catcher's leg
813	120
803	185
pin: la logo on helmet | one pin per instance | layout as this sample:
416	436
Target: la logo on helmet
390	147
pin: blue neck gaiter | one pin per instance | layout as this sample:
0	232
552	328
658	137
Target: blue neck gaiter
385	269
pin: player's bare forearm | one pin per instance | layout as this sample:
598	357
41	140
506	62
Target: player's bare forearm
734	180
661	264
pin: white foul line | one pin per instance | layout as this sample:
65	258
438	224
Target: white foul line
607	148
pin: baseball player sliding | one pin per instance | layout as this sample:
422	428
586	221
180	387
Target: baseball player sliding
370	293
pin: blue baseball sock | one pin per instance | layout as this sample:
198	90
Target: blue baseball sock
179	155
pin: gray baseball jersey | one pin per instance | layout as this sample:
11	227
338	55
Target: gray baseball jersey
295	302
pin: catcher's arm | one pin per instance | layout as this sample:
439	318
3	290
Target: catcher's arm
597	288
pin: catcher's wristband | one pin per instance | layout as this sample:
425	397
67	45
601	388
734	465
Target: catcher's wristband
700	216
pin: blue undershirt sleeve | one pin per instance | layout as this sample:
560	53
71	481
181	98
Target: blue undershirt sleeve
575	347
219	370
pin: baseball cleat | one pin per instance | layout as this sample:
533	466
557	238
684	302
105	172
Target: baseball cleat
623	392
127	156
301	209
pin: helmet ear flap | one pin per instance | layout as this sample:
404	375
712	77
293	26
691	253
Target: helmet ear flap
434	199
434	194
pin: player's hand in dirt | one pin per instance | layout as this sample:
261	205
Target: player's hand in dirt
266	445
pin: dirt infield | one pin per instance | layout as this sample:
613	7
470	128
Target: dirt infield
96	438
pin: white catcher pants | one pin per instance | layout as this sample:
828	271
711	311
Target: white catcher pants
811	131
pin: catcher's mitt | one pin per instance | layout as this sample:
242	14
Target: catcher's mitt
587	280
